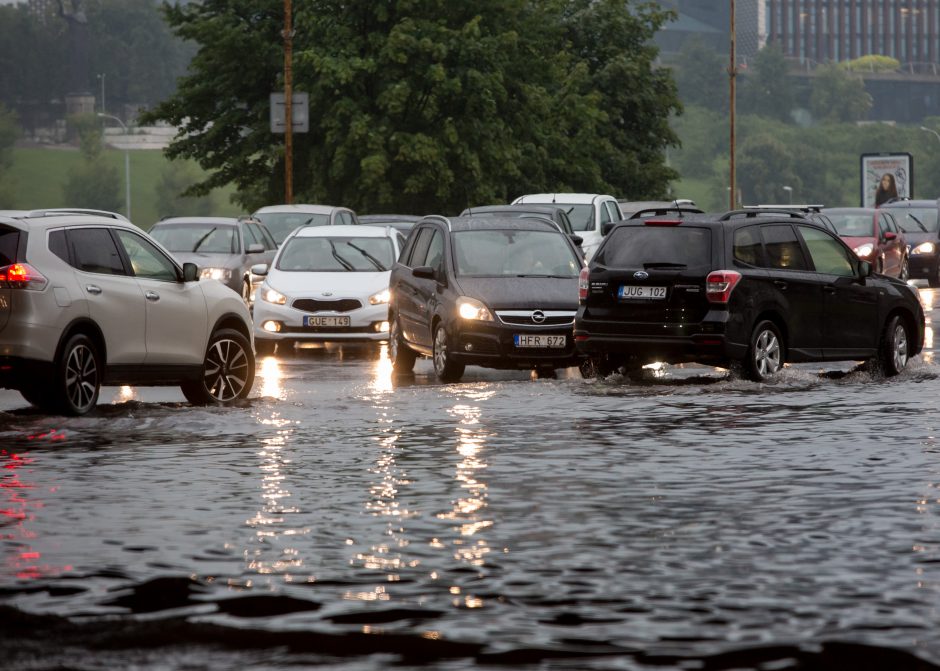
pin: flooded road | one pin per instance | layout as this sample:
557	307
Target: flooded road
343	519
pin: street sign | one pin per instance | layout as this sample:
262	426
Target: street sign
300	111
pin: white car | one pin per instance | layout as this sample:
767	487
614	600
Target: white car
588	213
90	299
327	283
282	219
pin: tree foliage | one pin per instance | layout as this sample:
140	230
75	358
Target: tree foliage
175	178
427	105
93	183
767	88
9	132
838	95
702	76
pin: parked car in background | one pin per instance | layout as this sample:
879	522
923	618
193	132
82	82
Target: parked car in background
328	283
282	219
748	291
91	300
630	207
919	222
401	222
497	292
224	248
875	237
588	212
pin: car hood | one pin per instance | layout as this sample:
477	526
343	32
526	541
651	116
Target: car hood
917	237
522	293
336	284
207	260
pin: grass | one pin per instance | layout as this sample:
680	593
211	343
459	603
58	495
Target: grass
38	177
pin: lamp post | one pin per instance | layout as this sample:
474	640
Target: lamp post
127	164
930	130
101	77
789	190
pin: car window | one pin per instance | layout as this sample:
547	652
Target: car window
639	247
262	236
828	255
419	250
513	253
94	251
748	248
336	254
852	225
605	214
782	247
916	219
207	238
345	218
565	222
581	216
9	240
250	237
58	245
281	224
146	260
888	223
435	251
612	210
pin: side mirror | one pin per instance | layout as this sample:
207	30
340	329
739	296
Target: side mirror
576	239
864	268
608	227
190	272
260	269
254	248
890	235
424	272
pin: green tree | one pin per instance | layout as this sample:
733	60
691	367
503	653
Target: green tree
175	178
93	183
426	105
767	89
764	166
9	132
838	95
702	76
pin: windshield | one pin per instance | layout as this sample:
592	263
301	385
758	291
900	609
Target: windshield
581	216
512	253
916	219
206	238
280	224
332	255
656	246
853	225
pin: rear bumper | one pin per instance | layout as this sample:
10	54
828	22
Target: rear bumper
16	371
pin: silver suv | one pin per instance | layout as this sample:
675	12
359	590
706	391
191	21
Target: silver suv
90	299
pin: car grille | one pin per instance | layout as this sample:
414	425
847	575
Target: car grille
531	317
314	305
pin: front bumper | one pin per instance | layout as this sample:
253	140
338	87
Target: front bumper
366	324
923	266
493	345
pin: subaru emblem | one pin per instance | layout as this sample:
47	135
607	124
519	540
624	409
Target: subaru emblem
538	316
641	275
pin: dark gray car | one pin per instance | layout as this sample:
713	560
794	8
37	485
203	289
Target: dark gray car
224	248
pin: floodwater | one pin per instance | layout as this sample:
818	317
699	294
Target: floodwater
341	519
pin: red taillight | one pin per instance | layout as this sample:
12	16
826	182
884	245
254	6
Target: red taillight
662	222
584	284
21	276
719	285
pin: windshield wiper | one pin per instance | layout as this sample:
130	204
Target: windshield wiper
204	238
374	261
664	264
918	222
336	255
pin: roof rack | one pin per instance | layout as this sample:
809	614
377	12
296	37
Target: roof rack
761	211
57	211
439	217
802	207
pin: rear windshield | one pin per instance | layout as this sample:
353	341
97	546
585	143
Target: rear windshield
206	238
853	225
915	219
9	239
337	255
651	246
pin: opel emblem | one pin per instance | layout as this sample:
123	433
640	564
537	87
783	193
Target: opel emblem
538	316
641	275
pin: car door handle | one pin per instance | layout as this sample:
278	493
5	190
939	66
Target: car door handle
829	289
780	284
93	289
152	295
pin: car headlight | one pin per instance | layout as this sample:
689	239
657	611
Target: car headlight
379	298
865	250
470	308
924	248
271	296
221	274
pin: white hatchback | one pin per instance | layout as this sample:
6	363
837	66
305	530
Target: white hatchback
90	299
327	283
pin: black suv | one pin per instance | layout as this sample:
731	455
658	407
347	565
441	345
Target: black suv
740	289
495	292
918	219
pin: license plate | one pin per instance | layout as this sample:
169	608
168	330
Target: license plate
540	340
325	321
647	293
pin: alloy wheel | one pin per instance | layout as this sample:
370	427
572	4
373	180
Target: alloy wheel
899	350
226	370
767	353
81	377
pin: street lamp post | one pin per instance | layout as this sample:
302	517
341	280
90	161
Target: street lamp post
930	130
101	77
789	190
127	164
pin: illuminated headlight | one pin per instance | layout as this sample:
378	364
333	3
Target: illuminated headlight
271	296
470	308
864	250
221	274
379	298
924	248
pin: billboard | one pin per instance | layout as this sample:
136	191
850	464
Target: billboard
886	176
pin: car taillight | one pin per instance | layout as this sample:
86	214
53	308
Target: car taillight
719	285
584	284
21	276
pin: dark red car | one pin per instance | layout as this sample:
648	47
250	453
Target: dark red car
874	236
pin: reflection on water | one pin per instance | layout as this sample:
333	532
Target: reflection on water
269	374
928	298
382	372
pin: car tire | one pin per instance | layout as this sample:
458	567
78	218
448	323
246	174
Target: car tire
905	273
228	371
765	353
402	357
77	377
894	348
934	280
444	367
265	347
